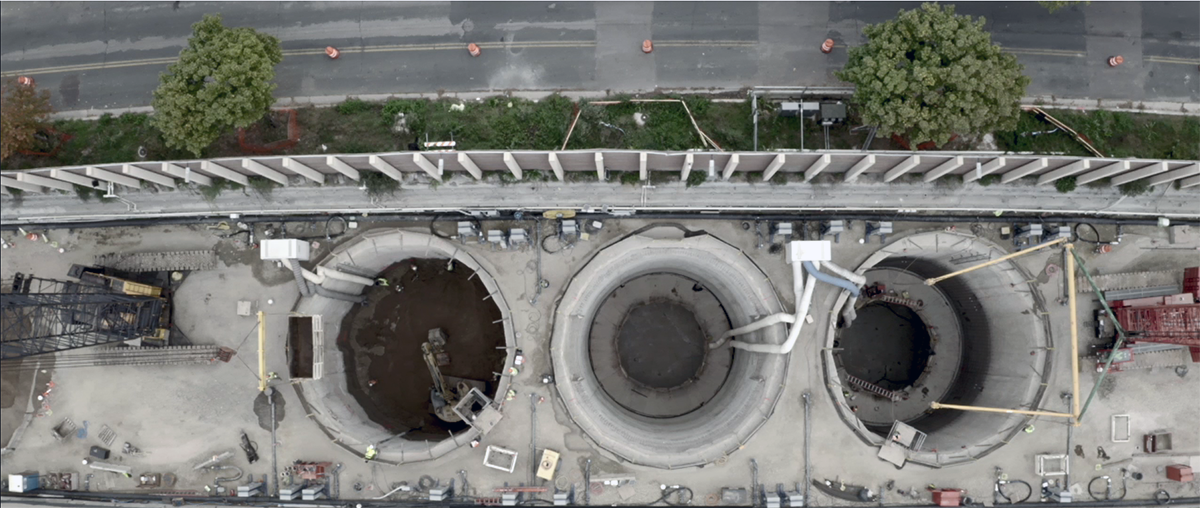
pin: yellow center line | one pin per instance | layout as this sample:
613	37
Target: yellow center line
1173	60
1043	52
365	49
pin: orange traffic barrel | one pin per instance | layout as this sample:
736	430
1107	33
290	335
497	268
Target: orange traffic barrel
25	80
647	46
473	49
1116	60
332	52
827	46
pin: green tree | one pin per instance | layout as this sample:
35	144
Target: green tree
221	81
930	74
23	111
1055	5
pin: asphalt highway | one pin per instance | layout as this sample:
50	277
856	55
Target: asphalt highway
109	54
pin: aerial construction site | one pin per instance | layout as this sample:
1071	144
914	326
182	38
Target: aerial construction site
572	358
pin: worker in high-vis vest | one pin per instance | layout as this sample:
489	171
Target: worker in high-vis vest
371	453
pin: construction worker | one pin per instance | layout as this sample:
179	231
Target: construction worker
371	453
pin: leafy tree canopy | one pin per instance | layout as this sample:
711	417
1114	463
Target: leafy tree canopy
23	110
1054	5
221	81
930	74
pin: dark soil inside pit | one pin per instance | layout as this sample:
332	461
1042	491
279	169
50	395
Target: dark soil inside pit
381	341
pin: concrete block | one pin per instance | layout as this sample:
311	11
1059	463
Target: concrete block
109	176
862	165
186	174
729	166
465	161
262	170
817	166
224	172
513	167
145	174
774	167
303	170
342	167
44	182
386	168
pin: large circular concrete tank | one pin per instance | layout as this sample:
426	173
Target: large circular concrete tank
976	339
670	287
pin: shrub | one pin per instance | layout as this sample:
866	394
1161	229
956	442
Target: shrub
379	184
353	107
1065	185
1135	188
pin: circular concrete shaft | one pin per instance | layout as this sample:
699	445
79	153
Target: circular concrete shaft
742	403
649	345
327	398
910	343
990	346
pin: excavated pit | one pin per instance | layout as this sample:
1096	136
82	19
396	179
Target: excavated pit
896	363
977	339
381	343
354	345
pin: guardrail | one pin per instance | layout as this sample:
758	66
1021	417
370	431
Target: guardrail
849	165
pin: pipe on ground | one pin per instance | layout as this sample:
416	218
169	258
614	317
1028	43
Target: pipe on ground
858	280
781	317
803	302
829	279
342	276
794	332
304	279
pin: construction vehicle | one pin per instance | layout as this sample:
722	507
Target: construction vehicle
97	277
442	397
47	316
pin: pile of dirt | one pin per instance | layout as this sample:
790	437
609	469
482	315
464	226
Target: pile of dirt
381	343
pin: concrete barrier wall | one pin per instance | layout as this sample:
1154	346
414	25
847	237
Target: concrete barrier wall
847	165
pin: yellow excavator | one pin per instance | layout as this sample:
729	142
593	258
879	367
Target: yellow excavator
442	397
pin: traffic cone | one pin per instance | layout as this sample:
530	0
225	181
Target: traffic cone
473	49
647	46
332	52
1116	60
24	80
827	46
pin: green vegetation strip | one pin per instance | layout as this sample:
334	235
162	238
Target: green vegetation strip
502	123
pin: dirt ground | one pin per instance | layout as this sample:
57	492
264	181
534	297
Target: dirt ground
384	337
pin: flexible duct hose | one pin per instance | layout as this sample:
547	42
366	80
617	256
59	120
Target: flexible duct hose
829	279
345	277
802	306
338	295
857	279
849	314
793	333
300	282
781	317
308	287
228	478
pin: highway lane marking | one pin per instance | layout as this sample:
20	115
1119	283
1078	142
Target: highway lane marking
1043	52
1173	60
373	49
